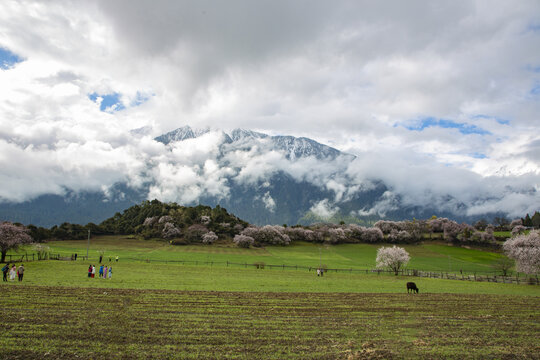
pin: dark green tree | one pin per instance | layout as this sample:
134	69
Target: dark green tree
535	220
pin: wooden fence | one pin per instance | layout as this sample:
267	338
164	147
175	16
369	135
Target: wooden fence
26	257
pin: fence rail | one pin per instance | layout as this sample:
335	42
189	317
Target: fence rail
28	257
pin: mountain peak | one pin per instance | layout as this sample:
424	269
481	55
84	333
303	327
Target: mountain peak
291	146
180	134
238	134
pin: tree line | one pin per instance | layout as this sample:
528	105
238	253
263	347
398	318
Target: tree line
203	224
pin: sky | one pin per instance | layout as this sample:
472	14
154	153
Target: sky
435	98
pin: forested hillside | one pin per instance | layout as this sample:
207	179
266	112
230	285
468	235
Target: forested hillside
152	219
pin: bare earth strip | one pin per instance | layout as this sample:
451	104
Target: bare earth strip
67	323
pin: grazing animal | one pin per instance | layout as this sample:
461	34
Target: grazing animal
411	287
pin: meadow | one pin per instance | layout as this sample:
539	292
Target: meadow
163	308
430	256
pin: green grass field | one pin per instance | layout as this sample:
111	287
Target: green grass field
427	257
164	309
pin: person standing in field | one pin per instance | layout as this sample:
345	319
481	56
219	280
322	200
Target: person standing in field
5	271
116	258
93	271
90	271
105	272
20	272
110	272
12	272
101	271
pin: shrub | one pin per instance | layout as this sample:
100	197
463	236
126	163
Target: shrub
170	231
205	220
209	237
165	219
195	232
150	221
518	229
243	241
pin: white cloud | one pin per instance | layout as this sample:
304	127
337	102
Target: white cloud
388	202
324	209
269	202
348	74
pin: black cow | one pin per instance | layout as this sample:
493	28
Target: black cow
411	287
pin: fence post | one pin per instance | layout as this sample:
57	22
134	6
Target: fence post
227	263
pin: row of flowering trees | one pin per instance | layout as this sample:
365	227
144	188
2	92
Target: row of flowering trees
396	232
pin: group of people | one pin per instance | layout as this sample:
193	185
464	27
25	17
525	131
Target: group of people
104	272
320	272
13	271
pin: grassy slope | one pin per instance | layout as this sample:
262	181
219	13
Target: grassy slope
427	257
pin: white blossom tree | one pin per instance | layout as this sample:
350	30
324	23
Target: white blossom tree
243	241
209	237
11	236
525	250
170	231
393	258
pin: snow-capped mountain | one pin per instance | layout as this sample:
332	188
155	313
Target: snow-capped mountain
291	146
180	134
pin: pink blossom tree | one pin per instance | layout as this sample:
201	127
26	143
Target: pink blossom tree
243	241
11	237
525	250
393	258
209	237
170	231
518	229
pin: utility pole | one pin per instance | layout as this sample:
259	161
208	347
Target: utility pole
88	246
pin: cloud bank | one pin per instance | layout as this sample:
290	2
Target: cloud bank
438	100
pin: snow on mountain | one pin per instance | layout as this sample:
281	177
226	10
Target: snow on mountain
180	134
291	146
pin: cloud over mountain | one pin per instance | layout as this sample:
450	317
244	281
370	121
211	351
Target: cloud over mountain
438	101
